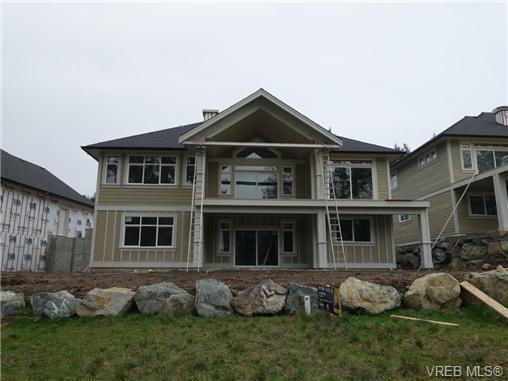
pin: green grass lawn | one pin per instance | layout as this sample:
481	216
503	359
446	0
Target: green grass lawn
276	348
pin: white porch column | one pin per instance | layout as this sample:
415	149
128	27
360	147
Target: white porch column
426	258
501	201
318	162
322	244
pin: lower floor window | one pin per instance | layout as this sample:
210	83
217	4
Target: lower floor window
355	230
148	231
482	205
404	218
224	237
288	237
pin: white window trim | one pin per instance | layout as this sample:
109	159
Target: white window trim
471	152
293	229
429	152
372	237
293	187
392	176
148	214
373	173
483	195
105	170
176	165
402	221
184	175
219	230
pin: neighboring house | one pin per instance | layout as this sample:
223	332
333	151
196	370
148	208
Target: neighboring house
35	204
245	188
467	162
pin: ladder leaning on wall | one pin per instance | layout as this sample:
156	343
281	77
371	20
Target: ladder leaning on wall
195	244
336	243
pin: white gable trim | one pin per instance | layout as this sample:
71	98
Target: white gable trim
261	93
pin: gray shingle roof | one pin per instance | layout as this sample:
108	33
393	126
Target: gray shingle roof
483	125
168	139
25	173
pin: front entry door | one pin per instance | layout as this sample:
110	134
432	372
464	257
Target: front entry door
256	248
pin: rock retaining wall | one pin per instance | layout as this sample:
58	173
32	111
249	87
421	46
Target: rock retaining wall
485	250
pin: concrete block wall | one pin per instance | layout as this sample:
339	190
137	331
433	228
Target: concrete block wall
66	254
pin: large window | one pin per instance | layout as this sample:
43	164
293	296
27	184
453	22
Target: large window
491	157
152	170
255	182
111	170
225	180
352	179
355	230
148	231
482	205
190	166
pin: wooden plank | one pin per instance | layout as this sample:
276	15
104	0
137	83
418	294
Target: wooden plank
483	297
502	269
425	320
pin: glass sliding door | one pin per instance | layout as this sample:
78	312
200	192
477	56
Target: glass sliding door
256	248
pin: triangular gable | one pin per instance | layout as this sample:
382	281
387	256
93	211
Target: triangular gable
262	94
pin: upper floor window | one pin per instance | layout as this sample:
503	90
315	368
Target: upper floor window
256	153
352	179
152	170
427	158
225	180
467	157
394	180
112	169
255	182
190	165
482	205
490	157
287	181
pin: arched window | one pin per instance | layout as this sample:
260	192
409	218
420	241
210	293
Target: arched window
256	153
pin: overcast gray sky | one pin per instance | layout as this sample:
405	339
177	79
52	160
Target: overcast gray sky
75	74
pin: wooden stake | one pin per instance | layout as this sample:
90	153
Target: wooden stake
483	297
425	320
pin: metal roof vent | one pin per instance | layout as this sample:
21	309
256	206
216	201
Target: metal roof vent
501	114
208	114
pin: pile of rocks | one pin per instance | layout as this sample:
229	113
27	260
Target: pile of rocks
486	250
215	299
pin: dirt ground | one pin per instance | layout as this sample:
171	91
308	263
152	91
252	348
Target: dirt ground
80	283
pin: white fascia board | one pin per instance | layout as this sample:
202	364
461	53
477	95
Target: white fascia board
260	93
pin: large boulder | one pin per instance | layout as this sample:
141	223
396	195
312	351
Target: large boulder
362	296
470	252
266	298
10	302
213	298
59	304
113	301
494	284
165	298
295	299
433	291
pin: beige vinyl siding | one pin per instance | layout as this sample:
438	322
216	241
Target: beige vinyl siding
212	179
144	194
440	208
108	239
414	182
382	178
303	234
378	252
